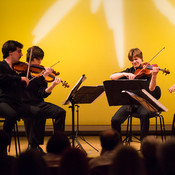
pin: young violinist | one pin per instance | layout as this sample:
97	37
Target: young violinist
136	59
34	95
11	86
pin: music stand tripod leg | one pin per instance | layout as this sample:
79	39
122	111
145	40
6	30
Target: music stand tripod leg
73	125
74	135
77	132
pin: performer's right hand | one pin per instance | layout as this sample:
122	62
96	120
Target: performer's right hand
130	76
172	88
26	80
48	70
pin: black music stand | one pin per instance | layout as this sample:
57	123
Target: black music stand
131	92
83	95
114	88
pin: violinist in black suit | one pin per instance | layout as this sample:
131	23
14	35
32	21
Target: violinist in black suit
34	95
11	86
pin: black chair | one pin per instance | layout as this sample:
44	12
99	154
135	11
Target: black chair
16	137
157	116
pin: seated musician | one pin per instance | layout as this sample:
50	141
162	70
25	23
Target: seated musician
34	95
11	85
136	59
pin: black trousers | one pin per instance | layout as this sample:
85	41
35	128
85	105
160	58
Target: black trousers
137	111
13	112
35	127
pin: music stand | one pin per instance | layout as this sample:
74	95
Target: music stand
83	95
131	92
114	88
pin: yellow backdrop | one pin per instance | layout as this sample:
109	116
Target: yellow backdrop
93	37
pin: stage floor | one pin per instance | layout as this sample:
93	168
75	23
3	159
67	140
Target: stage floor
93	140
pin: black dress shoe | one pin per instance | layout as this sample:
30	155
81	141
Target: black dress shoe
40	150
36	148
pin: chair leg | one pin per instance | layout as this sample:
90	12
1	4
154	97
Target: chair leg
161	131
130	134
14	129
163	124
127	131
16	139
9	146
156	126
53	121
17	132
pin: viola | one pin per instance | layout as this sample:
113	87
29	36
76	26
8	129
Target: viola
145	70
36	71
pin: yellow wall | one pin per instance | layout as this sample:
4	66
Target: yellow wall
85	42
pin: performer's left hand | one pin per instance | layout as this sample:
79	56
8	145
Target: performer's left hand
155	71
56	81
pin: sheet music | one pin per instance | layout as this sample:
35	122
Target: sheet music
74	89
144	102
155	100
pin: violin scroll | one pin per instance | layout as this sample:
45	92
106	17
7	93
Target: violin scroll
165	71
65	84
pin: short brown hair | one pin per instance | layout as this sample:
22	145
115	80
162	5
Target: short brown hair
10	46
136	52
37	53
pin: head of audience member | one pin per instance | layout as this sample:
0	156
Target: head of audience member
149	147
109	139
74	162
166	157
58	143
4	142
127	161
31	163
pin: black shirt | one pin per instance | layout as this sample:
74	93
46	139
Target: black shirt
10	84
156	93
35	91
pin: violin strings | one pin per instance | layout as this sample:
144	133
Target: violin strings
37	76
42	72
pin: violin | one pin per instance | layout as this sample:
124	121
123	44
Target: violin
36	71
145	70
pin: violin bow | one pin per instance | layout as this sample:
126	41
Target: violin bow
28	68
153	58
156	55
42	72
